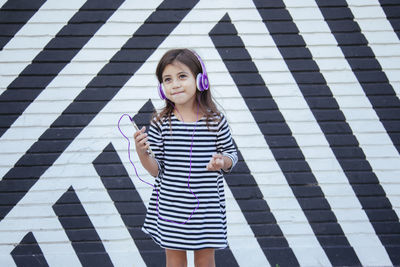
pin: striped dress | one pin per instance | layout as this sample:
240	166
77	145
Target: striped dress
171	144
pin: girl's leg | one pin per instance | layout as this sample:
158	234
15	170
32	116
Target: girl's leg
175	258
204	258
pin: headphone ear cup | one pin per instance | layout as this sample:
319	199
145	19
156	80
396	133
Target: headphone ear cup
161	92
202	82
199	82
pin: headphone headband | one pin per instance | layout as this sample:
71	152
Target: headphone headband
201	79
203	67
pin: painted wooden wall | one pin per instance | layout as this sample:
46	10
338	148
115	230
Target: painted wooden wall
310	89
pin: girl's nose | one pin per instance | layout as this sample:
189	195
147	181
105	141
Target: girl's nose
176	83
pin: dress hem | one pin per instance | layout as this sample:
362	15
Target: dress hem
185	249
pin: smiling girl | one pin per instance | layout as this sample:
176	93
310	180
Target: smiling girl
192	144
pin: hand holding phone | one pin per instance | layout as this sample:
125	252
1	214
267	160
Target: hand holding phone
142	138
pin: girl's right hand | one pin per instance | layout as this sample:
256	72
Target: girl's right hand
141	141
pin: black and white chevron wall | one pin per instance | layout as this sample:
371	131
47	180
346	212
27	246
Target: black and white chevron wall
311	91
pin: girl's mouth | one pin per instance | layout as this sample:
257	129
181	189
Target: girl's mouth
177	93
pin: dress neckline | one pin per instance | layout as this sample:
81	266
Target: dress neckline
186	122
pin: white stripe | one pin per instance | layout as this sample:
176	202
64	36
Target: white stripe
34	212
240	236
180	237
265	169
341	197
113	238
358	111
19	53
40	114
5	258
51	243
379	32
27	217
191	201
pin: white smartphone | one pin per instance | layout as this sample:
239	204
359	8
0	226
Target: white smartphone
137	129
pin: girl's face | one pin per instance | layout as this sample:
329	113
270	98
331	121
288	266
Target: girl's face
179	83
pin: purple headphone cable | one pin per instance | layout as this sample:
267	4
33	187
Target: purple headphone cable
153	186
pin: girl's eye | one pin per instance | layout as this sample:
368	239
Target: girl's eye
182	76
167	80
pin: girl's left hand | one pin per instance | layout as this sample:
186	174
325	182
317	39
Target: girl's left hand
216	163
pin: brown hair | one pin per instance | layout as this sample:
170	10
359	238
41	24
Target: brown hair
203	98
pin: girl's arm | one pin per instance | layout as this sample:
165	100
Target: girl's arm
226	158
142	145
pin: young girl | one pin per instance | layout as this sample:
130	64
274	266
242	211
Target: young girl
192	145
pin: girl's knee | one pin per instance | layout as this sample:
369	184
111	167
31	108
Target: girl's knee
175	258
204	258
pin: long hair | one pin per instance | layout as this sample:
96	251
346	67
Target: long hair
203	98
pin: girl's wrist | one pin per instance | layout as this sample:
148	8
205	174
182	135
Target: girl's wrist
227	163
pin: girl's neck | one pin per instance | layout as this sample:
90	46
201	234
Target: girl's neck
187	113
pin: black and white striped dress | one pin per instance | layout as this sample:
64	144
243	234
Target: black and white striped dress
171	145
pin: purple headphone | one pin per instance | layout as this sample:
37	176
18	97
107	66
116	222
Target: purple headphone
201	79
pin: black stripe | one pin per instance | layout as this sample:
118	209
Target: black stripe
80	230
225	257
242	184
128	203
392	12
278	136
28	253
56	139
352	158
368	71
14	15
259	216
337	131
126	199
52	59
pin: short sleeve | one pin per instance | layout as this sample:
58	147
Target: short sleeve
225	144
157	145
